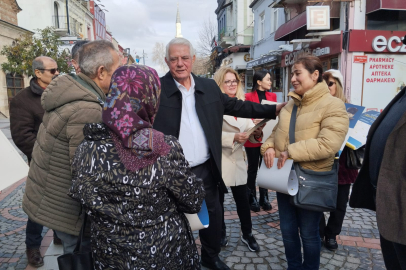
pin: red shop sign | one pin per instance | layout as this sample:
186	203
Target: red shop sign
329	45
360	58
377	41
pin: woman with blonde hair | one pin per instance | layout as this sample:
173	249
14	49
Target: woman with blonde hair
346	176
234	168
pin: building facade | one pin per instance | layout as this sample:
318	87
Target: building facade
265	53
10	84
235	35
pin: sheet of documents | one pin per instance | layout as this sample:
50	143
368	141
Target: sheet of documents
12	166
270	124
282	180
237	145
200	220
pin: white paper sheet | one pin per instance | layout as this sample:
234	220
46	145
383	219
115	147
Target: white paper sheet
271	124
282	180
12	166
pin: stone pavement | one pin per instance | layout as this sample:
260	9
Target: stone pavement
359	240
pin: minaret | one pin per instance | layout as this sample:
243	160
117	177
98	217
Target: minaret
178	25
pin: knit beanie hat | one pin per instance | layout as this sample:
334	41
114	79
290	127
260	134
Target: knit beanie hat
337	75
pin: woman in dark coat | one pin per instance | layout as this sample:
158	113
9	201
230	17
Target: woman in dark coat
135	183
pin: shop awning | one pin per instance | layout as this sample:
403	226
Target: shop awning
294	24
374	5
234	49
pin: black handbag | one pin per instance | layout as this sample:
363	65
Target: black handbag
355	158
78	260
317	190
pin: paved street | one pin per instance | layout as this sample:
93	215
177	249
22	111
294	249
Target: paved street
359	241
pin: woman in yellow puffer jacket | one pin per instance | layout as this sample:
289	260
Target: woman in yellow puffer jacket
321	126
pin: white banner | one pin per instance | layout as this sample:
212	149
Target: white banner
384	77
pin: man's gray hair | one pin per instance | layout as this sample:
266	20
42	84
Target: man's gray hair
95	54
37	63
180	41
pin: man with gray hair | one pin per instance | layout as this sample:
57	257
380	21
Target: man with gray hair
25	118
70	102
75	54
192	109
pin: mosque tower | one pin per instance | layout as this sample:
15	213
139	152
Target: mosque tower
178	25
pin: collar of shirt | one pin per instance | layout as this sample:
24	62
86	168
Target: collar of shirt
183	89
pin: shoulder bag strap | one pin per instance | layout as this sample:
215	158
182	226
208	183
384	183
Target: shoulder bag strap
81	234
292	125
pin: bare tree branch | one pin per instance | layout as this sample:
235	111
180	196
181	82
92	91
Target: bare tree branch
204	47
158	56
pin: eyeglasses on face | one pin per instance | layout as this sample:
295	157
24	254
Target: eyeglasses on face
51	70
331	84
231	82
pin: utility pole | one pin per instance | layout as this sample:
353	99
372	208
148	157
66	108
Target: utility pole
138	58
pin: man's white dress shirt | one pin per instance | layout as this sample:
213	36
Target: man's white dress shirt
191	135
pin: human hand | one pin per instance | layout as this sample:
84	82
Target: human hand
279	107
241	137
269	156
282	158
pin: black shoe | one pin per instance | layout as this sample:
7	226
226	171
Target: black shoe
250	241
223	240
215	264
254	206
263	199
34	257
331	244
57	240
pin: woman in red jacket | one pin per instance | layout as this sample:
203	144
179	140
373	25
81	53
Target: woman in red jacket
260	91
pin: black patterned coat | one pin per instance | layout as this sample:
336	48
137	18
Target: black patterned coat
137	220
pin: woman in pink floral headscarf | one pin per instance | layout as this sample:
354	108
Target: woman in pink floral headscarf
135	182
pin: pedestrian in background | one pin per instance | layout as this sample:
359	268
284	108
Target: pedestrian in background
75	54
233	166
192	110
135	182
346	176
70	102
26	115
260	91
321	126
381	183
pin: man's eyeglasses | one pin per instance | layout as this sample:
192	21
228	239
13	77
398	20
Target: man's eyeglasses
231	82
331	84
51	70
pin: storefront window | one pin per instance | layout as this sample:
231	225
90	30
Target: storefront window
334	63
15	83
392	20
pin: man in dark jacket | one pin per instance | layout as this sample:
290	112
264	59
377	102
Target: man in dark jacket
192	109
25	118
381	183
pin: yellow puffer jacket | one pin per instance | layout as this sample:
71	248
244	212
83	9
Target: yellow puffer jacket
321	126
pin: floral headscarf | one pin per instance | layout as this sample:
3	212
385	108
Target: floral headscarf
129	112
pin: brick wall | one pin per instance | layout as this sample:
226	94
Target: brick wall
8	11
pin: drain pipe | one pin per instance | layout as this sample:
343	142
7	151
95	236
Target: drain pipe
67	16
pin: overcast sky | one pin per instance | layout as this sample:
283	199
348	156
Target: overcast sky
139	24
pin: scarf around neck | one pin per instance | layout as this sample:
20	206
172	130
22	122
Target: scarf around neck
129	112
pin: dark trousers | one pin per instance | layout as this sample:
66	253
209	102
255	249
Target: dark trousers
240	194
394	254
33	234
335	221
293	220
254	159
210	237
